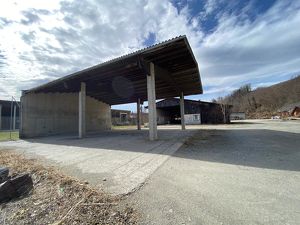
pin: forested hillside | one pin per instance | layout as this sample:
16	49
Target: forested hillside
263	102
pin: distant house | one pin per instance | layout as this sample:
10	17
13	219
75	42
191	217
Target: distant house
9	115
144	118
296	112
120	117
237	116
290	110
195	112
126	117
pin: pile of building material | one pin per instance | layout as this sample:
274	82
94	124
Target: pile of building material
14	187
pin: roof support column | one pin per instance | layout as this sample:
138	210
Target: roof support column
152	103
182	111
81	122
138	114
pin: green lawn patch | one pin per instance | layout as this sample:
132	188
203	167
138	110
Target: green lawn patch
5	136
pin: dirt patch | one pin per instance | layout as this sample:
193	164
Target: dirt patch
59	199
199	136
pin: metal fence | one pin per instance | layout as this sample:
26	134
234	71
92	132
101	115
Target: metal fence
10	121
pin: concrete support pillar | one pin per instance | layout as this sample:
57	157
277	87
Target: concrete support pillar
138	114
14	118
82	94
182	111
152	103
0	116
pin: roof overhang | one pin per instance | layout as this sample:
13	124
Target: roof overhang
123	80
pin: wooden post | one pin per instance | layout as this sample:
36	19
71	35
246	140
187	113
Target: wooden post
81	118
138	114
152	103
182	111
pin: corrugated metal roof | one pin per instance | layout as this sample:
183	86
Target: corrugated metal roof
141	50
174	55
176	101
110	61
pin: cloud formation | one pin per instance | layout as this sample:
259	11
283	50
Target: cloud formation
247	51
42	41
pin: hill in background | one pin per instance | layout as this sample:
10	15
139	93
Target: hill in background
265	101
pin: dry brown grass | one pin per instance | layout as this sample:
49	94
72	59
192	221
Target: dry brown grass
58	199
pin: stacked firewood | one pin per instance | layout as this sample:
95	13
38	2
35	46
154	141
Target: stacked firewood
14	187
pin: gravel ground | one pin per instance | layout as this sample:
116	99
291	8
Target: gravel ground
244	173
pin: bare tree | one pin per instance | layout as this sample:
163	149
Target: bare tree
263	101
224	111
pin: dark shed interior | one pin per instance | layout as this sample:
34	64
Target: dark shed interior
7	111
211	113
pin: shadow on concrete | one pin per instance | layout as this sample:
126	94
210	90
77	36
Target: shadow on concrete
253	148
245	147
122	140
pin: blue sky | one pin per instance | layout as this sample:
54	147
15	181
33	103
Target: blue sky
235	42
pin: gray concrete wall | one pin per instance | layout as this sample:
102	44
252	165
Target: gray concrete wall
57	113
98	115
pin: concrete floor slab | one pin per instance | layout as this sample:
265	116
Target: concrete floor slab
117	161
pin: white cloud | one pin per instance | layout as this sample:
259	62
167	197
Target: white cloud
210	6
41	41
243	51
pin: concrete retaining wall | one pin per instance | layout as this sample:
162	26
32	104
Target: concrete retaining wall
45	114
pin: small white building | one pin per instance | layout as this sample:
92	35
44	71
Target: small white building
237	116
191	119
